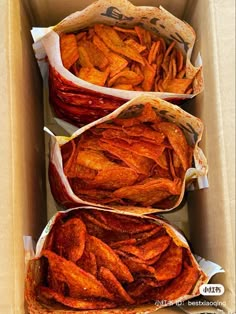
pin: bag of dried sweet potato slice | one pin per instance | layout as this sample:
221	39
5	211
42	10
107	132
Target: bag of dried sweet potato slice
98	58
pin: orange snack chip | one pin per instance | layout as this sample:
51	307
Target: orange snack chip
69	50
128	59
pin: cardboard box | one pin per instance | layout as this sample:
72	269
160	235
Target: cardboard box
210	215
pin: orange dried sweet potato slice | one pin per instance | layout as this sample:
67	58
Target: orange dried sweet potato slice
124	86
179	60
95	195
70	165
177	85
70	239
149	76
125	77
144	36
136	162
82	172
113	285
89	141
178	141
180	286
116	62
135	264
125	30
153	52
145	132
93	75
148	250
76	303
106	257
94	159
169	265
128	224
149	194
80	283
88	263
144	236
114	178
69	50
84	59
117	244
114	42
133	43
145	149
96	56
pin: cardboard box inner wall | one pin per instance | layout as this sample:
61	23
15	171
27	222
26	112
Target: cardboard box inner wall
26	202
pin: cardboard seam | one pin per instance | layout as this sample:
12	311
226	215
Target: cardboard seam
10	103
220	122
13	18
220	129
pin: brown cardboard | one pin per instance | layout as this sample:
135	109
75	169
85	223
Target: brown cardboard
22	185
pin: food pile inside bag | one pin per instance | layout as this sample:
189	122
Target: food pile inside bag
141	158
129	59
95	60
138	161
93	259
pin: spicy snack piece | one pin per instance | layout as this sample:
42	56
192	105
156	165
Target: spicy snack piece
136	161
126	260
129	59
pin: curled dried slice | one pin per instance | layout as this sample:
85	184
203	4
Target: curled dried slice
82	172
177	85
76	303
149	73
69	50
80	282
89	141
69	239
113	133
133	43
124	224
138	163
144	36
148	250
169	264
84	59
115	43
145	132
96	56
117	244
106	257
113	285
135	264
94	195
180	286
143	148
114	178
150	192
88	263
126	77
146	235
94	159
93	75
178	141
